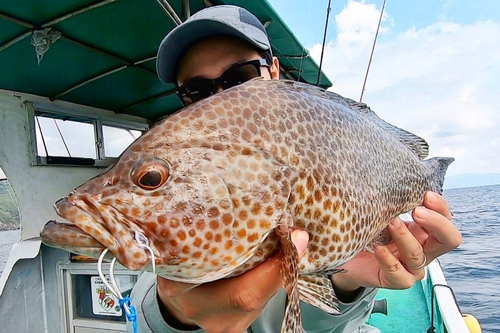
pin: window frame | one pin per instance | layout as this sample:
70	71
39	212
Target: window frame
98	118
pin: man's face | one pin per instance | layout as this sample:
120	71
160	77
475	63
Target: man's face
213	55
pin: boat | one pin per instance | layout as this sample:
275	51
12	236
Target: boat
88	68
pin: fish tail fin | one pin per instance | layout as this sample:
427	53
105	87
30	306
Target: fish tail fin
439	166
292	323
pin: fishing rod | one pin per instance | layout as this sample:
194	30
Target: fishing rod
328	10
371	54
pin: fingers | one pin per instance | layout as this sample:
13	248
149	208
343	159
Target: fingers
418	232
393	274
435	219
436	202
411	253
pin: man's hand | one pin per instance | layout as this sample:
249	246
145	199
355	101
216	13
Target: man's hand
393	266
228	305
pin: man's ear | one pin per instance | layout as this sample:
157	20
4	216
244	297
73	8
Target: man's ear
275	69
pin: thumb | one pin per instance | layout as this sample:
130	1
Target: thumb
300	238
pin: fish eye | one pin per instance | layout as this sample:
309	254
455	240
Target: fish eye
151	179
150	176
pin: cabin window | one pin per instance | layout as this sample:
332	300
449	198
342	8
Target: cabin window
63	137
116	140
56	137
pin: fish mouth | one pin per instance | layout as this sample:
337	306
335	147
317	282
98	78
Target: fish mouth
71	238
91	230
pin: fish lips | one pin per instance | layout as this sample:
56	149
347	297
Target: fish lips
103	226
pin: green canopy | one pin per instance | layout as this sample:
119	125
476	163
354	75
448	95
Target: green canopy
102	53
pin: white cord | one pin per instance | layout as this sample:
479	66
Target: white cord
115	292
143	242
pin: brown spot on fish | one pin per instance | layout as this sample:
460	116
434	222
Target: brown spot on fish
200	225
174	223
236	203
336	206
213	212
317	195
243	215
197	209
181	235
253	237
197	242
214	225
264	224
241	233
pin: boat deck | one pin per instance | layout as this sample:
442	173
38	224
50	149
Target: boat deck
401	306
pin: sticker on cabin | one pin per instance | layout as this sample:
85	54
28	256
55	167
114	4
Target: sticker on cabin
103	300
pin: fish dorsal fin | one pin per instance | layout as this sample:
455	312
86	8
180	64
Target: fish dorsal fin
415	143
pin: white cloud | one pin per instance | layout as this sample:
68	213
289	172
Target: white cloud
440	82
362	28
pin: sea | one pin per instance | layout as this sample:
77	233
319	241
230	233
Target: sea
472	270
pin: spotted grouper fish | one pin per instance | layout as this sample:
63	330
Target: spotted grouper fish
217	187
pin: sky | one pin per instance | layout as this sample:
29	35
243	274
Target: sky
435	70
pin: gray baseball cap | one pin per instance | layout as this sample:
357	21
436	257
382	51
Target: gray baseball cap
216	20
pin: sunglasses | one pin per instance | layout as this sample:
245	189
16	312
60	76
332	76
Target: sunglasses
200	88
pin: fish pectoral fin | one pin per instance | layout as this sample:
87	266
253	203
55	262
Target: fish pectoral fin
317	290
292	323
384	238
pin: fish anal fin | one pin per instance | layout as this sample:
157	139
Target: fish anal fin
292	323
317	290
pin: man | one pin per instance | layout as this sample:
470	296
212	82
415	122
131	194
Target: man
220	47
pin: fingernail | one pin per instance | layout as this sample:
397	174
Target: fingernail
421	213
396	222
431	197
300	239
